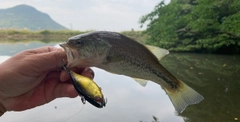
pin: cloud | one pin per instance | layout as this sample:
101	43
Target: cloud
113	15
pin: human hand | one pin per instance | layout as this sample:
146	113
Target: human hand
35	77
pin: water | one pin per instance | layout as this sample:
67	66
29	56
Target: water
216	77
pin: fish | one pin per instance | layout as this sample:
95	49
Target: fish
87	89
119	54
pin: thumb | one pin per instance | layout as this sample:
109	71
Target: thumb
65	90
52	59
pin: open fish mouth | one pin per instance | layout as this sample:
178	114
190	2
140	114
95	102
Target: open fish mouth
69	53
72	54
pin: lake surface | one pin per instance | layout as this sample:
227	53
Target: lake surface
216	77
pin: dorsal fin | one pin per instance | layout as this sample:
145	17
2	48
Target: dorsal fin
158	52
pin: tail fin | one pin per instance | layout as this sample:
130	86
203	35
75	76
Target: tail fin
183	97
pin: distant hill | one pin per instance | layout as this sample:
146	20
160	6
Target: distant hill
27	17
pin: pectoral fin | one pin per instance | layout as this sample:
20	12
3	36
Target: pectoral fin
158	52
142	82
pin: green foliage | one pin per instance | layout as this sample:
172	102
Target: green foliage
195	25
45	32
136	35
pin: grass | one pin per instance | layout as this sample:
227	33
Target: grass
19	35
60	35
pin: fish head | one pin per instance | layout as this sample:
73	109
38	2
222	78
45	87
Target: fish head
85	50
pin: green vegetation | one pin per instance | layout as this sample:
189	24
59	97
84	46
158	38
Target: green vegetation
136	35
14	35
44	35
211	26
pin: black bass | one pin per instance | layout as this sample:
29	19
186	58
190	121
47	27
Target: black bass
119	54
87	89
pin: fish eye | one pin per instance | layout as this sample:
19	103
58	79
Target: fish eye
79	42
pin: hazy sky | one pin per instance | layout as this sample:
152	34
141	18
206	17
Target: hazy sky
111	15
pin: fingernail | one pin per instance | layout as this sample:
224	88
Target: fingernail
89	71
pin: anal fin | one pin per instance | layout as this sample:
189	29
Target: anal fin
142	82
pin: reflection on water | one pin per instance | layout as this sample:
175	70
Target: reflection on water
216	77
8	48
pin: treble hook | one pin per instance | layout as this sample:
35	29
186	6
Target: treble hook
83	99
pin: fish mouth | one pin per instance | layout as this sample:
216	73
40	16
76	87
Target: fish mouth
71	54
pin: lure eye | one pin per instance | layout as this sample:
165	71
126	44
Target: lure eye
99	100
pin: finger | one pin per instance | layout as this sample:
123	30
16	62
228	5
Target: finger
64	76
52	60
53	74
88	72
65	90
78	70
44	49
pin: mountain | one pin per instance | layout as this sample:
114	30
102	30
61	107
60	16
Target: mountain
27	17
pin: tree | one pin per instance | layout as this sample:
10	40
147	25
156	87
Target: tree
195	25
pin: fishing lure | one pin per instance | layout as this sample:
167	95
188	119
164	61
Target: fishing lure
87	89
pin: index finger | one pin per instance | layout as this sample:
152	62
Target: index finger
49	58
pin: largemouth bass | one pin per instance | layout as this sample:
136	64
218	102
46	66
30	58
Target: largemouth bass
119	54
